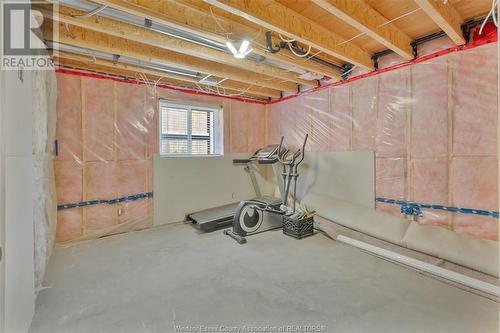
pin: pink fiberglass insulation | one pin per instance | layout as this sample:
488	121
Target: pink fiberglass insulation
475	184
475	95
364	113
69	118
318	109
341	111
390	177
273	123
69	225
131	121
286	121
429	109
433	127
68	181
98	108
238	129
429	183
99	180
394	101
256	127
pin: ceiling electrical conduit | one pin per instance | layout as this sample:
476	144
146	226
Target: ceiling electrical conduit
123	59
150	24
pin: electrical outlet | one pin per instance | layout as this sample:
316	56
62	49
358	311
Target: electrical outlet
119	210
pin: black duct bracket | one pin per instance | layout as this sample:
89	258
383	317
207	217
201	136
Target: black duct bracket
346	70
269	43
376	56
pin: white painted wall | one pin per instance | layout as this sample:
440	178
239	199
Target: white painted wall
18	252
184	185
348	176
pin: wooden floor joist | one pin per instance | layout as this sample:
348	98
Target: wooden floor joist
446	17
187	18
276	17
92	40
156	39
366	19
192	82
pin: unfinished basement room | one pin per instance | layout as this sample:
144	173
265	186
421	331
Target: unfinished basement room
296	166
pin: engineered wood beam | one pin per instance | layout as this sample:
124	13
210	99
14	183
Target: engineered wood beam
234	87
193	20
446	17
157	39
274	16
92	40
363	17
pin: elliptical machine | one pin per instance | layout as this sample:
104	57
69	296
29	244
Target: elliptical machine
253	217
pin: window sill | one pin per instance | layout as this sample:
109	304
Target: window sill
191	156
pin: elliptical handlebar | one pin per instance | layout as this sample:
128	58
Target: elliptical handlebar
303	153
282	152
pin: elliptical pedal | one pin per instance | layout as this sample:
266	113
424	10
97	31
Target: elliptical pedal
236	237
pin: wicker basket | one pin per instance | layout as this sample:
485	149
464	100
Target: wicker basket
298	228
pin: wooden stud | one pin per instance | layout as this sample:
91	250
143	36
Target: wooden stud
366	19
409	114
84	157
445	16
450	140
115	147
276	17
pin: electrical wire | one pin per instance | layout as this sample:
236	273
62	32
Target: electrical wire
224	32
299	55
350	70
223	93
68	32
493	13
92	12
383	24
290	46
312	56
286	40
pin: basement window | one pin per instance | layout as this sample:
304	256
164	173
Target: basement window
189	130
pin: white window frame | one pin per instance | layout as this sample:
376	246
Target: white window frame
218	127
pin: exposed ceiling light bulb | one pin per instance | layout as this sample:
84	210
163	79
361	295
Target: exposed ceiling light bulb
242	52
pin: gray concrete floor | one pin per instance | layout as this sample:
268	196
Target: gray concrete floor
152	280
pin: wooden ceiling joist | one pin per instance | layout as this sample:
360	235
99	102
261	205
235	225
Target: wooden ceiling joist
446	17
92	40
113	67
156	39
363	17
279	18
187	18
85	66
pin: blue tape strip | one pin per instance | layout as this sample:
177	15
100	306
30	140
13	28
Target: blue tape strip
133	197
415	208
